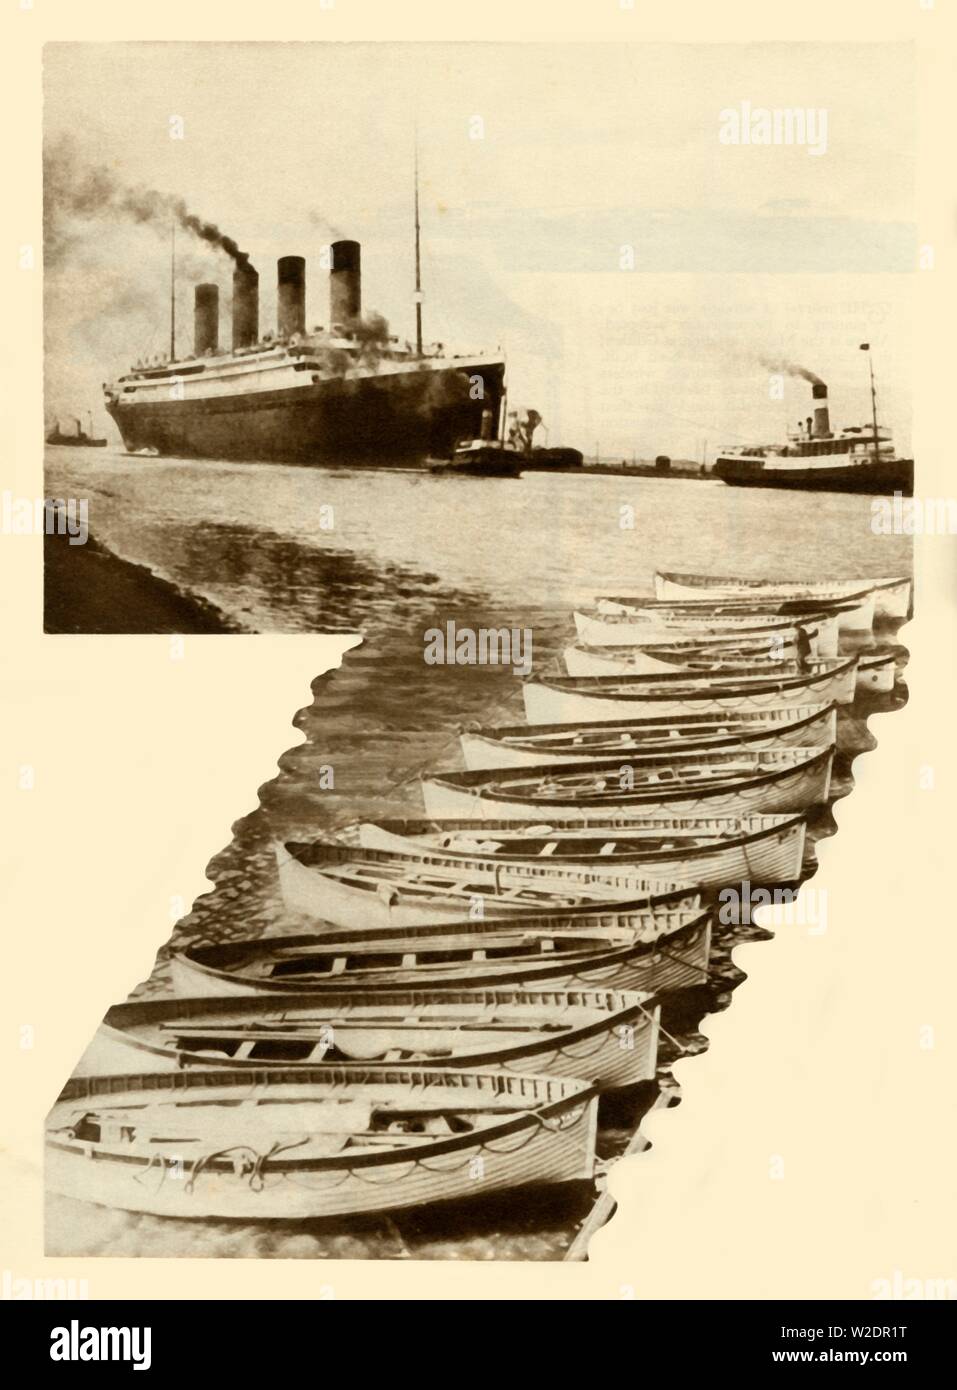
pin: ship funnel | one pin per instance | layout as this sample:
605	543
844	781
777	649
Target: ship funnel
822	419
291	296
205	319
345	284
245	307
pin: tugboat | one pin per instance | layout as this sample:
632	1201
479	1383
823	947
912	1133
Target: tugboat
483	457
79	440
511	453
860	458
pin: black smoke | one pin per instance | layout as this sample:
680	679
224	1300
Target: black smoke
781	364
74	188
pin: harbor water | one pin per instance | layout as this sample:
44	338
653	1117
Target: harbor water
392	554
254	540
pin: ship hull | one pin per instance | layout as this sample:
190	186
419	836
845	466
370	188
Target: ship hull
71	441
390	418
894	475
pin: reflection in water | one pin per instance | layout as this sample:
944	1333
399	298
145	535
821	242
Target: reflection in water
248	536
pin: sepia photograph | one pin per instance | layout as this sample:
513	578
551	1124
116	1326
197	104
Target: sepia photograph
336	332
593	418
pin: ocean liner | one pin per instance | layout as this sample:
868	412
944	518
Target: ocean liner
338	395
858	459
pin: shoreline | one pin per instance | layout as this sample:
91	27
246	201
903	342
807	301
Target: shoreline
89	589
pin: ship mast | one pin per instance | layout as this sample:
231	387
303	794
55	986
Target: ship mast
172	293
870	364
418	263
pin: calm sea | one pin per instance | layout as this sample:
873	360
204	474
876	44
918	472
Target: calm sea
250	537
405	552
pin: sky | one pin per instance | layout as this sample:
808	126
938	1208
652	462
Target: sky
578	209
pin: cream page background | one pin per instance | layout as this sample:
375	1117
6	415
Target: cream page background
143	761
